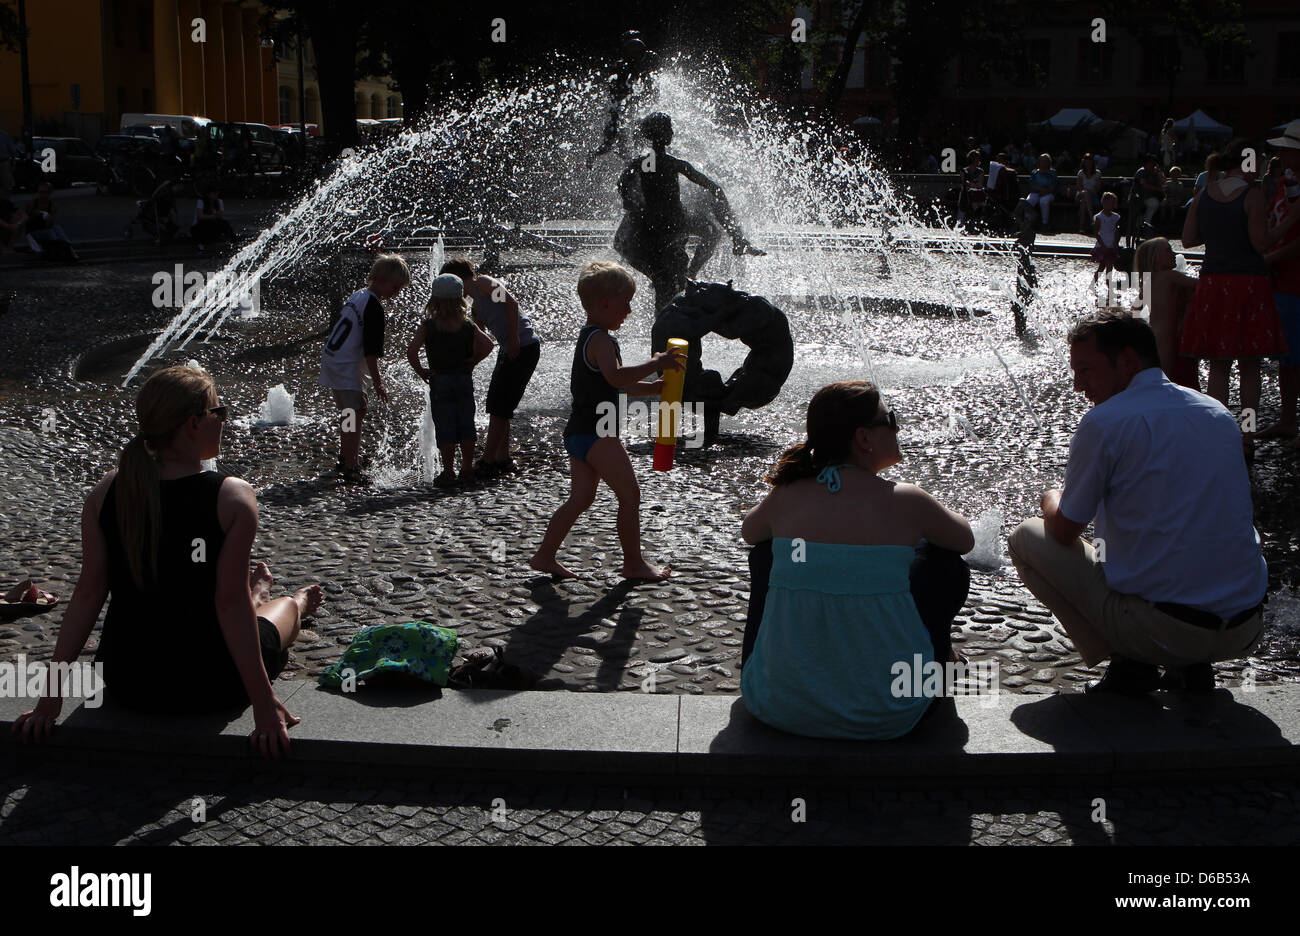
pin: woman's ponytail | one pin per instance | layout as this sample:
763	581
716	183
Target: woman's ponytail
835	413
796	462
168	399
139	511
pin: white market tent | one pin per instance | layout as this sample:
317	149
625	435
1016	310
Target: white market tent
1067	118
1204	124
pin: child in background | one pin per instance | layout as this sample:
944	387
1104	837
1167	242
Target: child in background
354	347
1167	305
497	310
1105	224
1173	196
595	452
454	346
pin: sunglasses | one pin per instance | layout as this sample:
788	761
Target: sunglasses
890	420
221	412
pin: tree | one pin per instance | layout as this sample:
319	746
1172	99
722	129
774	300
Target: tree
1199	23
334	28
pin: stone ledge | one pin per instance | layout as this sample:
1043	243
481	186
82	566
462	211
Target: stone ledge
1066	737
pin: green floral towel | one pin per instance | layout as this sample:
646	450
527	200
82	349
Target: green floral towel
419	649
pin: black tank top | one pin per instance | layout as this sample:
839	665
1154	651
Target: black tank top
448	351
1225	229
171	627
589	387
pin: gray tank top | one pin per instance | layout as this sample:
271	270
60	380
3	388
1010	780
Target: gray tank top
1224	228
493	316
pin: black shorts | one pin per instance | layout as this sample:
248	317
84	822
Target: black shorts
274	657
222	690
510	379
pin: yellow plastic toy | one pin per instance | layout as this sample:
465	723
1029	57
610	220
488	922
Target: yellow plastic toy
670	409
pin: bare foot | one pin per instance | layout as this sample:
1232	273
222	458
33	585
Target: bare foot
552	566
309	599
644	571
259	583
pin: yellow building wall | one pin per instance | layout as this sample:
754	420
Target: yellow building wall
139	56
66	65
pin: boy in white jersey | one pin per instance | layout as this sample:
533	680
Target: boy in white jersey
354	346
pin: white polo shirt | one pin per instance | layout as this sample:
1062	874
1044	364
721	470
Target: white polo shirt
1160	467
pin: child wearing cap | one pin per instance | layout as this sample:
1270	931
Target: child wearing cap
591	435
353	349
520	349
453	346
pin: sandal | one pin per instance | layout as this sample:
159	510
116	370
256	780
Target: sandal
25	599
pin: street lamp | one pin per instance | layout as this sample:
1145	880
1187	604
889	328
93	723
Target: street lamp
26	76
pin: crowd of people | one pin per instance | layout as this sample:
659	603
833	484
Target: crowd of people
1243	308
37	224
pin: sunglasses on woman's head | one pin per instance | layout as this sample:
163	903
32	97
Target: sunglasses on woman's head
890	419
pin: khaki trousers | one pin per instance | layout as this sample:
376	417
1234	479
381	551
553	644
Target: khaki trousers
1101	621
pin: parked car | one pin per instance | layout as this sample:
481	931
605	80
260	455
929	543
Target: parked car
249	145
150	130
74	160
189	127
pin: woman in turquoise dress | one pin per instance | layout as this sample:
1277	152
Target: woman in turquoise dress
866	576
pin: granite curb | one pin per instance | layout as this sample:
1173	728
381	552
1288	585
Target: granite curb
1001	738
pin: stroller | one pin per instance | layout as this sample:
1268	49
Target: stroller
157	215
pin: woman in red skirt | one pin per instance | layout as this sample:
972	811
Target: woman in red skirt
1232	315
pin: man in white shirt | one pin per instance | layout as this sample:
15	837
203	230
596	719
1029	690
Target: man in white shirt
1175	576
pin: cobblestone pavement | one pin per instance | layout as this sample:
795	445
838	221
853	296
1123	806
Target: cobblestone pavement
49	803
407	551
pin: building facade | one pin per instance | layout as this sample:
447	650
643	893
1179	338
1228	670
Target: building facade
91	61
1251	88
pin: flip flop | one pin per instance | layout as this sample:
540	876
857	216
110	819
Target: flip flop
25	599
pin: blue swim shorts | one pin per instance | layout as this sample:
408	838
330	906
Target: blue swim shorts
579	445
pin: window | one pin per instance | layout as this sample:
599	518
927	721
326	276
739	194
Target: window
974	70
1161	61
311	98
392	107
877	66
376	106
286	104
144	23
1288	63
1093	62
1225	62
74	96
1033	64
362	110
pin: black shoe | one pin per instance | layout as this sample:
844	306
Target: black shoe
1197	679
1127	677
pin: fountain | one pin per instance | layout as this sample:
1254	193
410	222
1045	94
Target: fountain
278	408
510	176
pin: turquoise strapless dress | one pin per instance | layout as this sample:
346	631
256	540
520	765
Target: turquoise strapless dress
834	627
